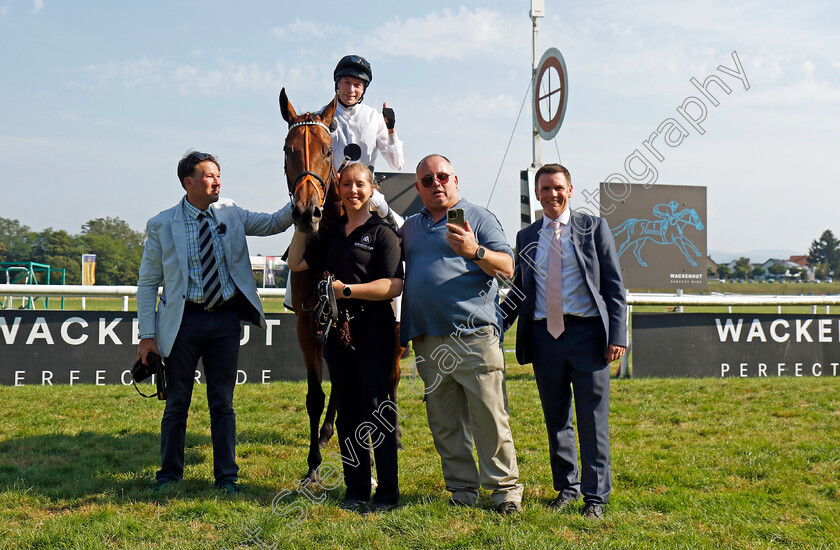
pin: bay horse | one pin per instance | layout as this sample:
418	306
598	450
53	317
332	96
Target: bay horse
313	187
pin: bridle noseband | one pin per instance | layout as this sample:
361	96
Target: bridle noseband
308	176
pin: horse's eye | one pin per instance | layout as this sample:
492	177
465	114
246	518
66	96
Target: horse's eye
287	150
327	151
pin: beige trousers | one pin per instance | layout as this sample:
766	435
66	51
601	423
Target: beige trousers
466	401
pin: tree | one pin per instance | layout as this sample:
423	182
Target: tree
724	272
59	250
794	271
777	270
118	250
825	250
757	272
15	241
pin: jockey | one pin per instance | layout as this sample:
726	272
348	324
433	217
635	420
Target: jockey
363	126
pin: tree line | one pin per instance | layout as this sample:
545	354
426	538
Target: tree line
823	256
118	250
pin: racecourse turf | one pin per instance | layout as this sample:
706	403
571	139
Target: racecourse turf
697	463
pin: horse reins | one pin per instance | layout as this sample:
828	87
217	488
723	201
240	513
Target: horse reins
308	176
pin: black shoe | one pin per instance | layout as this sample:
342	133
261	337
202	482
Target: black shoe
229	487
161	486
561	503
378	507
353	505
593	510
509	507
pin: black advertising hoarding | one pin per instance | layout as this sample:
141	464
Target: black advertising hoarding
98	347
659	232
726	345
400	192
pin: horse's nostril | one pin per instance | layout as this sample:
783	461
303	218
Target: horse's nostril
317	213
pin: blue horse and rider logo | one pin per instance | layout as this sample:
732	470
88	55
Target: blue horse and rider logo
667	229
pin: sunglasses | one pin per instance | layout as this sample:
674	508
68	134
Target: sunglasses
429	179
194	158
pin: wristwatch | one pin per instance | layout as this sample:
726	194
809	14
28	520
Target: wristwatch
479	254
346	292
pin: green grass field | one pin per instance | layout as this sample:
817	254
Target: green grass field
735	463
696	464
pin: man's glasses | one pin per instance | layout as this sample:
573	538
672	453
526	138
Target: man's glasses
429	179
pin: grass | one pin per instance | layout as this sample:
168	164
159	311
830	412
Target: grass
706	463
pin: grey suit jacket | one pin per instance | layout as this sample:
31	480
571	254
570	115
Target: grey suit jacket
165	262
595	254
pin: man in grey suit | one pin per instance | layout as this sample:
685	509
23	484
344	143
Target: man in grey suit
572	311
197	250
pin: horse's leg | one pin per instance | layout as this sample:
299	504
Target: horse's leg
681	244
328	427
395	381
313	358
637	250
315	396
690	245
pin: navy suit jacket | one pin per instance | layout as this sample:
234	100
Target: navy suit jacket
595	254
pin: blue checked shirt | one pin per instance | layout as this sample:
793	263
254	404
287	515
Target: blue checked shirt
195	286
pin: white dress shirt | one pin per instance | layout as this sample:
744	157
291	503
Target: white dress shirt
576	298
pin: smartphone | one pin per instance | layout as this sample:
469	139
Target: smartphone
456	216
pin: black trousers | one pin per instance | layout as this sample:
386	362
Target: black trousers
365	417
574	364
213	337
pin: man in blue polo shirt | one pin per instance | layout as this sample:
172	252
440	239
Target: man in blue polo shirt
450	313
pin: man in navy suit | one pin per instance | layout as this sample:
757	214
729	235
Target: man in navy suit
197	251
572	312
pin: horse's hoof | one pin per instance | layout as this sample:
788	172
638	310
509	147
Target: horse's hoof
310	479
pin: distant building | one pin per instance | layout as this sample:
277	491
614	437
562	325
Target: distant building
804	272
801	261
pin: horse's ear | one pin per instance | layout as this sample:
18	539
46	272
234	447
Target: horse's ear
286	108
328	113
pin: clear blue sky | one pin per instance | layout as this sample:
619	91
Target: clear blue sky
101	98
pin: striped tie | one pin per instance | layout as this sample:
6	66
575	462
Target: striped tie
209	267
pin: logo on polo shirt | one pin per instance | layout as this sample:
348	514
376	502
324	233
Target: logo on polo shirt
365	242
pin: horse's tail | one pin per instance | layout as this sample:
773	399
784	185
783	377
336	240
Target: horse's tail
625	226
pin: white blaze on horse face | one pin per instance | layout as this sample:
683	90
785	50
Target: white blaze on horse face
554	192
350	90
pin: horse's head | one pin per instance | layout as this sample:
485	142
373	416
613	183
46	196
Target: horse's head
695	220
308	162
691	217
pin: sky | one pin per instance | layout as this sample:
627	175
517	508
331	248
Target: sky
100	99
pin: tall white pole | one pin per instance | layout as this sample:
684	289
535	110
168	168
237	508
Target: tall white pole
537	11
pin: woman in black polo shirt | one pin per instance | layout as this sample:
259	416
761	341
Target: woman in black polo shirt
363	252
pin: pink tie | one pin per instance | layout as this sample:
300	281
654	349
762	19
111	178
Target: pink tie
554	284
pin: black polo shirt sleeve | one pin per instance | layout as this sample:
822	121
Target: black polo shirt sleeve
389	260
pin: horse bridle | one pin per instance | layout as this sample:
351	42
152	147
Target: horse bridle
308	176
